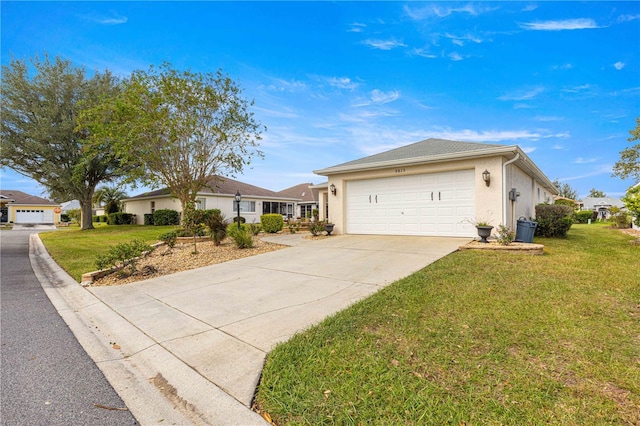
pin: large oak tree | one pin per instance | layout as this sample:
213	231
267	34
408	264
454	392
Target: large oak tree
185	127
40	134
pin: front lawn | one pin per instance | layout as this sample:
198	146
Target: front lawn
76	250
477	338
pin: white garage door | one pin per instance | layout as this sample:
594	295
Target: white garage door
34	216
434	204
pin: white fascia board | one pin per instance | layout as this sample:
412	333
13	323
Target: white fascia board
419	160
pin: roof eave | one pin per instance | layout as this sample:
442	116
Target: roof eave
488	152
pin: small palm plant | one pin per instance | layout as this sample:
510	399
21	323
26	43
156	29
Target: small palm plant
217	224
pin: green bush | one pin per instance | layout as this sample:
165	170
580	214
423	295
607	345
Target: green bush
272	222
74	215
569	203
316	227
582	216
120	218
255	228
621	220
164	217
123	255
65	218
242	237
553	220
169	238
148	218
217	224
184	233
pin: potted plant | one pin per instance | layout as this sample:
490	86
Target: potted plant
328	226
484	229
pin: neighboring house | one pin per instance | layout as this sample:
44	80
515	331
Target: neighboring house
70	205
308	197
18	207
601	205
436	188
255	201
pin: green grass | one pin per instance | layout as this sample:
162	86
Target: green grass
477	338
76	250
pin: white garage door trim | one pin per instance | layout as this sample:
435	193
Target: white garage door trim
433	204
34	215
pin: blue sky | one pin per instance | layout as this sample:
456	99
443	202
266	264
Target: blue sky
335	81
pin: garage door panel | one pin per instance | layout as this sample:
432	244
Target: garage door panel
429	204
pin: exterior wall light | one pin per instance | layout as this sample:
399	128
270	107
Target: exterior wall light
332	188
486	177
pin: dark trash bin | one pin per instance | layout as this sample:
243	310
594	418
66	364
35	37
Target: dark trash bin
525	230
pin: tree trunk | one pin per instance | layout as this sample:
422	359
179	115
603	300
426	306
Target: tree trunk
86	208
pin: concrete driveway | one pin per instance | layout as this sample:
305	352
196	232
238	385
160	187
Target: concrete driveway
200	337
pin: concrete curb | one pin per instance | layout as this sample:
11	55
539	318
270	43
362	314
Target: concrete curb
156	386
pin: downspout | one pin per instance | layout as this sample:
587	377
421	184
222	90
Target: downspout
504	187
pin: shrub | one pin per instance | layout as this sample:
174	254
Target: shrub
166	217
169	238
65	218
505	235
74	215
120	218
148	218
217	224
272	222
294	226
553	220
569	203
95	218
241	237
582	216
185	233
316	227
621	220
123	255
255	228
242	219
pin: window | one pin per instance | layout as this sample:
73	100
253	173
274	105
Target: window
201	204
245	206
153	206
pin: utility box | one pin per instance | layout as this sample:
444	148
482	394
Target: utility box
525	230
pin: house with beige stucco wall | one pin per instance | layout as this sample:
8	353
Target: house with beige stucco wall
434	187
219	193
21	208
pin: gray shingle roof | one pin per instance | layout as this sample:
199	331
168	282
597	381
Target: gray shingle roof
222	186
302	192
425	148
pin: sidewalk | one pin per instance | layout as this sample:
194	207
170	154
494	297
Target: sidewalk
188	348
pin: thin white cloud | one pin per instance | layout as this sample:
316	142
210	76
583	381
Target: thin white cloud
530	8
424	53
281	113
383	44
113	19
281	85
461	39
523	95
357	27
440	11
566	24
342	83
627	18
619	65
488	135
558	147
455	56
562	67
581	160
604	169
548	118
528	149
578	89
380	97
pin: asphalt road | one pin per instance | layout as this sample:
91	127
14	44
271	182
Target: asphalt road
46	377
